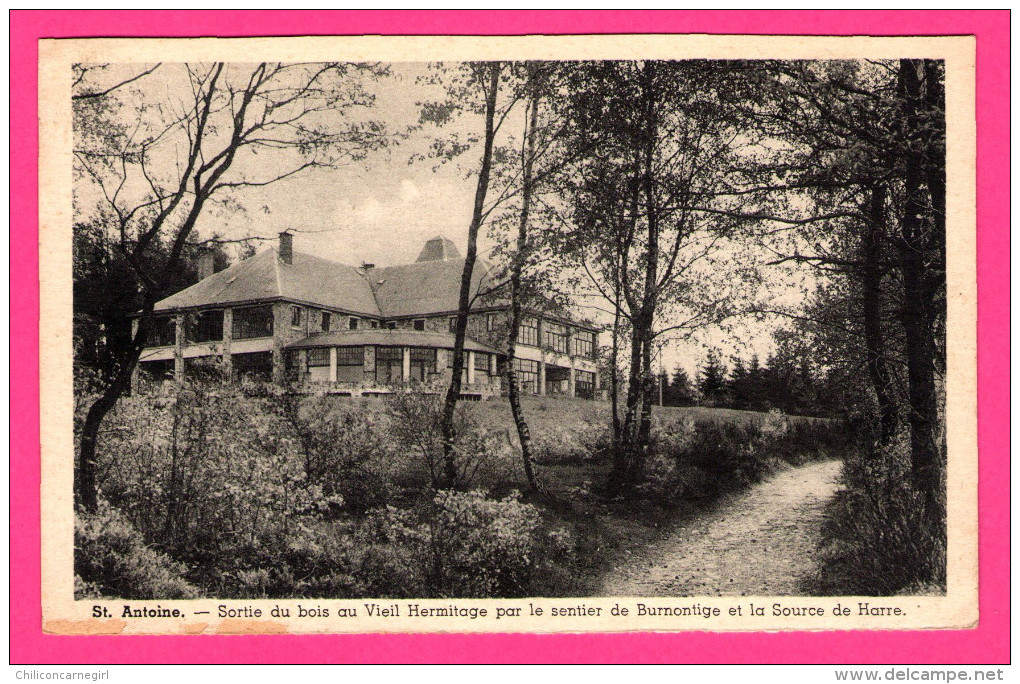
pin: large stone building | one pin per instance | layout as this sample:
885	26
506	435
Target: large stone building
318	324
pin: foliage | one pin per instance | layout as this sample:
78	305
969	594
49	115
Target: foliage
213	471
679	390
111	559
712	383
874	540
459	544
416	427
344	451
697	460
479	547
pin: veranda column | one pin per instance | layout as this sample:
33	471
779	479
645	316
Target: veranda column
405	366
228	336
541	377
470	368
138	366
280	325
178	351
332	364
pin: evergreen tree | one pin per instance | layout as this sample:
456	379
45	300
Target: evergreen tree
713	380
737	385
680	390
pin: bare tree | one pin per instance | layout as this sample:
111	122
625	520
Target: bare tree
487	77
221	129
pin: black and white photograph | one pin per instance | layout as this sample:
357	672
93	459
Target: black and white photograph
414	335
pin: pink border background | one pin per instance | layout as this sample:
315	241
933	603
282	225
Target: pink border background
989	643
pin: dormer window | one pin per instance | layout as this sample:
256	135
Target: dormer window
419	324
353	323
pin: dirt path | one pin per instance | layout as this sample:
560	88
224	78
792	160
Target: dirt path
757	542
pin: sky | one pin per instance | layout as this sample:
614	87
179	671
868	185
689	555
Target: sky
382	210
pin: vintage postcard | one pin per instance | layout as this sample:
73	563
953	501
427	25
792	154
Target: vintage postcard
508	334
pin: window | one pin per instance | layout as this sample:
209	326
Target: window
205	326
326	320
163	332
353	323
490	320
453	324
389	364
584	344
374	325
155	371
317	357
253	321
350	356
257	366
527	333
482	362
292	364
584	384
527	375
419	324
556	337
423	364
295	316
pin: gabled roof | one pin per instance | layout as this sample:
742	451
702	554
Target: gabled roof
388	338
427	287
264	276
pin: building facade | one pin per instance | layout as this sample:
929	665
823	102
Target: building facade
319	325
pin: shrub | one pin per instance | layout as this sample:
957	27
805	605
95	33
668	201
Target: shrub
415	424
208	474
699	460
343	449
875	541
480	547
457	545
111	560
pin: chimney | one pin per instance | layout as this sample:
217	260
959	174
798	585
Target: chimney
206	264
286	247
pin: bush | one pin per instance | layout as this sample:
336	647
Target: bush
209	475
480	452
480	547
699	460
343	450
457	545
111	560
875	541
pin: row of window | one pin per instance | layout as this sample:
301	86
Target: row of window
257	321
389	367
389	361
355	356
527	379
